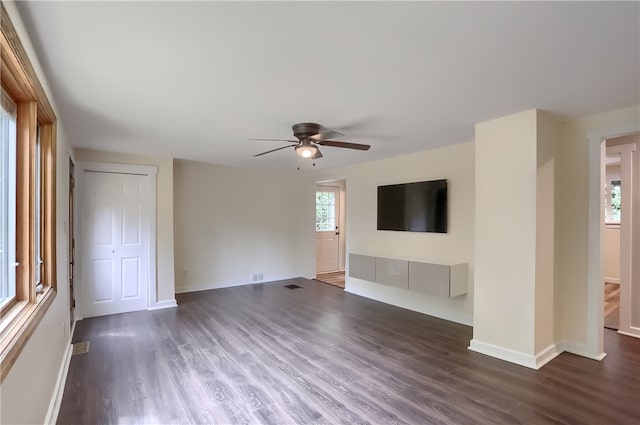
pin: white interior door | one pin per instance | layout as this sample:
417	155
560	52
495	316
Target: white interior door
327	229
116	243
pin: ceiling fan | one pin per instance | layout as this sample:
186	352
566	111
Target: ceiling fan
311	135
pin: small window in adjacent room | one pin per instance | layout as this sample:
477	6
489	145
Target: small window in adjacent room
325	211
612	202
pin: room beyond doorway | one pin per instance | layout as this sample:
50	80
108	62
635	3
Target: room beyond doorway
333	278
330	228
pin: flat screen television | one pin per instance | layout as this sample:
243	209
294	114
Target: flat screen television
413	207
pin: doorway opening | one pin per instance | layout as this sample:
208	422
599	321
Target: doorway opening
72	244
621	163
330	232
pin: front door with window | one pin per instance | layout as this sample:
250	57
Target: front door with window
116	234
327	230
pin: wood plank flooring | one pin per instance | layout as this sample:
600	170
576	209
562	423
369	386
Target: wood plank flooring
317	355
333	278
612	305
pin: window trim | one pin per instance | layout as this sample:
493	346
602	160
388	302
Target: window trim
19	320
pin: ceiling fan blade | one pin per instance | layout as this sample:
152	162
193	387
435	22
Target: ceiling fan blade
347	145
326	135
273	150
278	140
318	154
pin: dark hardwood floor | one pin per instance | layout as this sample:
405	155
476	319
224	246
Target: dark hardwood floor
317	355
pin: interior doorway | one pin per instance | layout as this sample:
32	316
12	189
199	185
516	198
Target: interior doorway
593	347
330	231
72	244
611	241
621	163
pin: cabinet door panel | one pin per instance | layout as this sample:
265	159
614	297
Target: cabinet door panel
431	279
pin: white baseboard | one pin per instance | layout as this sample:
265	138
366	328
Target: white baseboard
209	286
164	304
517	357
632	331
73	328
219	285
548	354
612	280
580	350
58	391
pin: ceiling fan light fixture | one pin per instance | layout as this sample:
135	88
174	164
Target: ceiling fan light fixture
306	151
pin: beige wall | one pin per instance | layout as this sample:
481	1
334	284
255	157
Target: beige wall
548	132
28	389
231	222
505	242
455	163
165	285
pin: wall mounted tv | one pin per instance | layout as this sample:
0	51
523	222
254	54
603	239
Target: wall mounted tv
413	207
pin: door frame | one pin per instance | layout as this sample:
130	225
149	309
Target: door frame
626	177
72	201
594	346
339	227
103	167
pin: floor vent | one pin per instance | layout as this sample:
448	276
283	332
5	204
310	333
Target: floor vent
292	286
81	347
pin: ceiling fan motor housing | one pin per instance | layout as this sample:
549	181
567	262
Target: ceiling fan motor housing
305	129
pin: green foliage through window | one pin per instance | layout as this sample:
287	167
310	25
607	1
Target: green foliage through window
325	211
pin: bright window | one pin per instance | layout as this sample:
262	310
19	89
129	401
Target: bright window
37	220
7	200
325	211
27	199
612	204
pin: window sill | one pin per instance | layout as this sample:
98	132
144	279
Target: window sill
611	225
17	326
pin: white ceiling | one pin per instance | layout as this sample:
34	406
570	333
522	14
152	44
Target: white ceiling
196	80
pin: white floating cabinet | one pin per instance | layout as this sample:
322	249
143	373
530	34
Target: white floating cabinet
392	272
446	280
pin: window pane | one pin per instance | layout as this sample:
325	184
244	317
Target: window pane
615	201
38	209
7	199
325	211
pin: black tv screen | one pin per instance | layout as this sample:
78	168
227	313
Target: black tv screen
413	207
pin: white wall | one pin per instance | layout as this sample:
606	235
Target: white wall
28	389
231	222
165	285
455	163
